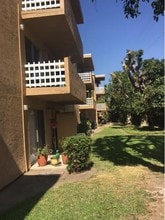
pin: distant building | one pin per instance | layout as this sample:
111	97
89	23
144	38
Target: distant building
93	108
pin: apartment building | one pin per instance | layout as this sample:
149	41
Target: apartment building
40	88
93	108
101	106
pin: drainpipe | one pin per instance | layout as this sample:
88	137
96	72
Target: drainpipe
22	89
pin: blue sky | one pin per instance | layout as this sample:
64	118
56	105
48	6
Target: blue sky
107	34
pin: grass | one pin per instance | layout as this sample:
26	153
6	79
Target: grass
95	198
123	156
121	145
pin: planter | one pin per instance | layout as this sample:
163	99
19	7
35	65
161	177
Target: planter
54	161
64	158
42	160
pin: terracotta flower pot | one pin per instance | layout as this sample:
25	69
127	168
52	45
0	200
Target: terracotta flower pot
64	158
42	160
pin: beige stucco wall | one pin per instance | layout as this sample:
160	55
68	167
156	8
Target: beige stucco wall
90	114
12	161
66	124
77	87
73	26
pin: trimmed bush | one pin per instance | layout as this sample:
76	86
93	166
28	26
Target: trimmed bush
84	127
77	148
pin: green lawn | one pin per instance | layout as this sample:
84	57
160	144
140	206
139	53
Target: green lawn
121	145
123	156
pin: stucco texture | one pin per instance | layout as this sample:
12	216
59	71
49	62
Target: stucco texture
12	161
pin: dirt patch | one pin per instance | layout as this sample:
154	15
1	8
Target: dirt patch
76	177
156	192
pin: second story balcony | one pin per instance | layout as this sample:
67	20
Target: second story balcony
54	22
90	104
87	78
29	5
55	81
101	107
100	90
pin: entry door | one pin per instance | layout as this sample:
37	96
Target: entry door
36	132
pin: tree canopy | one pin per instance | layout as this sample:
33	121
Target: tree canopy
129	96
131	7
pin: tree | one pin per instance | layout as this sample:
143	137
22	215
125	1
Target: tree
119	95
153	73
130	97
133	67
131	7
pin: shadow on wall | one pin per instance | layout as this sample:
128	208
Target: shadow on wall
131	150
9	170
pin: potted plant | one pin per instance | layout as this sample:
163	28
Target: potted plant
64	157
42	155
55	158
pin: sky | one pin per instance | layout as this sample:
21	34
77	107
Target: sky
107	34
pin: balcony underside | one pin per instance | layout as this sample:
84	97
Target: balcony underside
54	31
89	86
86	107
58	95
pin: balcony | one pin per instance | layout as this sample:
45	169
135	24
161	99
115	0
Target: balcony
101	107
54	22
29	5
100	90
90	104
99	78
55	81
87	78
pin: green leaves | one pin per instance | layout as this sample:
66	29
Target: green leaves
141	95
131	7
158	8
77	148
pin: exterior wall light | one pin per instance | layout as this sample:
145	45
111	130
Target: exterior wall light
25	107
21	27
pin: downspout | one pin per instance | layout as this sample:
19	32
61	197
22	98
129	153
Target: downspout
22	89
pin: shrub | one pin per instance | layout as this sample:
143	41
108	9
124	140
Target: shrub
77	148
84	127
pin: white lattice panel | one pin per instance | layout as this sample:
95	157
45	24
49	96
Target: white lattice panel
89	101
39	4
45	74
100	90
86	76
101	106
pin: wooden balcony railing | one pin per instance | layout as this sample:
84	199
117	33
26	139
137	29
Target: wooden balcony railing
28	5
100	90
45	74
89	101
86	77
101	106
90	104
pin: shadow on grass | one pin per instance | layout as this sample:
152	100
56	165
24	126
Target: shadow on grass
24	193
131	150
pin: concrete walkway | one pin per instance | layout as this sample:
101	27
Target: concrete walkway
37	180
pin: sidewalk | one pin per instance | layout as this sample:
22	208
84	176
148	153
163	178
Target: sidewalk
39	180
